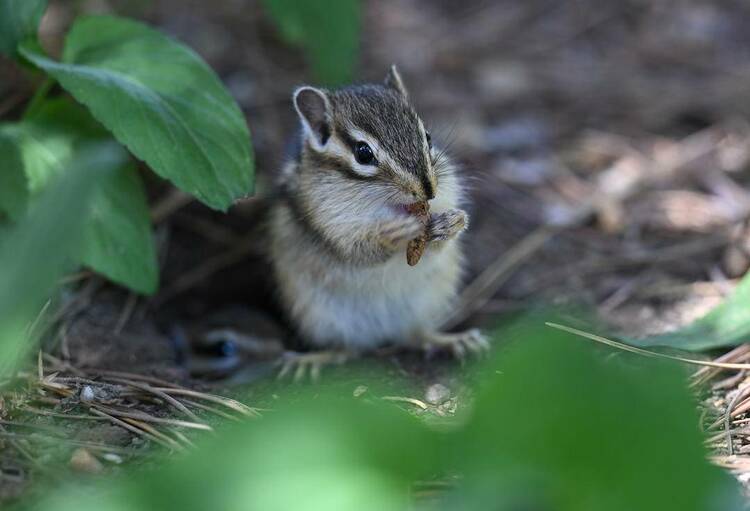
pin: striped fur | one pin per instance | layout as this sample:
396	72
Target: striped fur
339	229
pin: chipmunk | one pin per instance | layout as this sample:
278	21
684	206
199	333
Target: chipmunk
341	222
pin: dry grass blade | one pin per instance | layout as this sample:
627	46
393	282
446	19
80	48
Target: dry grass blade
742	407
39	366
132	428
171	388
229	403
729	414
738	354
726	383
127	312
155	433
641	351
167	205
143	416
211	409
32	330
410	400
161	394
183	438
59	388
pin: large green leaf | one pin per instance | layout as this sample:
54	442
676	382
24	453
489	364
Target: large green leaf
558	425
328	31
19	20
117	239
726	325
159	99
35	251
43	150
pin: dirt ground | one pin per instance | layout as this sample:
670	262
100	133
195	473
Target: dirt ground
605	144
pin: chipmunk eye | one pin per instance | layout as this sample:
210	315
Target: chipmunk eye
364	154
429	139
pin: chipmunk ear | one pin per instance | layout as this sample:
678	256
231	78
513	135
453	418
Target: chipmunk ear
393	80
314	110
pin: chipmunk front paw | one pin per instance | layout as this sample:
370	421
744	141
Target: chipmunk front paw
446	225
395	234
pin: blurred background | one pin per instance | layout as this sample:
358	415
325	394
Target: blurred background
620	124
605	144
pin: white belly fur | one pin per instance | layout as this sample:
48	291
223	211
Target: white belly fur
361	307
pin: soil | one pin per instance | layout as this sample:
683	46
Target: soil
616	129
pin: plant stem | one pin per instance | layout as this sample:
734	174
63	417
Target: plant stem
39	96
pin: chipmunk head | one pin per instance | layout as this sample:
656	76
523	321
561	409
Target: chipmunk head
367	138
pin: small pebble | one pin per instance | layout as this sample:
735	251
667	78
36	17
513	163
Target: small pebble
112	458
437	394
87	394
85	462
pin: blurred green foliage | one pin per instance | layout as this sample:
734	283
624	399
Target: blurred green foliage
556	425
586	433
328	31
35	251
117	240
19	20
13	188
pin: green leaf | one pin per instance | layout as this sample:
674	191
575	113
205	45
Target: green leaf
19	20
328	31
728	324
586	432
117	239
43	151
36	251
13	190
159	99
347	456
46	139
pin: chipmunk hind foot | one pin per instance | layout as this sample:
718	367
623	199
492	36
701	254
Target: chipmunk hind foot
308	366
459	344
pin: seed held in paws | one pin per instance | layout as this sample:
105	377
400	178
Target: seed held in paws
416	247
